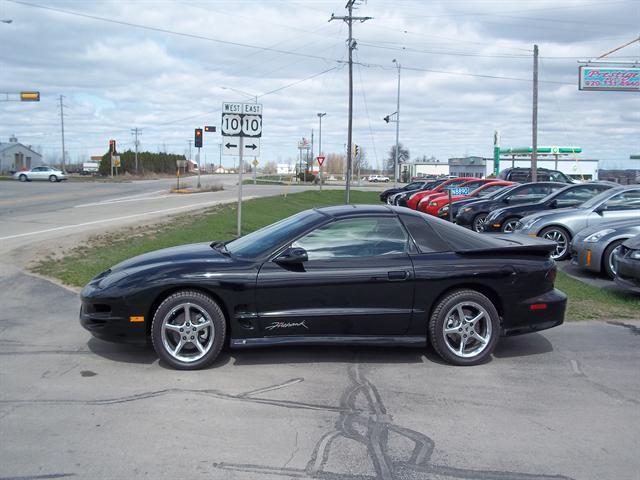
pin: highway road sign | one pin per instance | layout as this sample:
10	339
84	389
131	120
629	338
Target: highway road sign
242	119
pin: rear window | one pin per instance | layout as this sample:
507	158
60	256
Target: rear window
426	238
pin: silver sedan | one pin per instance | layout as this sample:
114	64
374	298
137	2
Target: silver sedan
41	173
616	204
593	248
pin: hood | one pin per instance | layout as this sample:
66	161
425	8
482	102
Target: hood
553	214
617	226
194	252
633	243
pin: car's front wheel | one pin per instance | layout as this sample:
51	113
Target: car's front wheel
608	263
478	222
562	239
464	328
509	224
188	330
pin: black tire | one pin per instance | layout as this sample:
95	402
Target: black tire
478	222
562	238
23	178
53	178
443	316
164	313
509	224
607	258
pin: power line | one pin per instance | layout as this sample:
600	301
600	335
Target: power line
167	31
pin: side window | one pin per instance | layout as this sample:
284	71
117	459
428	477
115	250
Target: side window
530	193
356	237
624	201
580	195
425	237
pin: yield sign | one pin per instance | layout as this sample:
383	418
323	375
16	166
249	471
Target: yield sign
320	160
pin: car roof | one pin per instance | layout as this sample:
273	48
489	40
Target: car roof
350	210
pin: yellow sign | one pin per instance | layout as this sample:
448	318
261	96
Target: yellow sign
255	162
116	162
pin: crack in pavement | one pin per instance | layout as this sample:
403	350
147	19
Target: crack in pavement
372	427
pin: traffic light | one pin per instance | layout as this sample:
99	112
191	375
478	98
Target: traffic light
198	138
112	147
209	128
29	96
356	150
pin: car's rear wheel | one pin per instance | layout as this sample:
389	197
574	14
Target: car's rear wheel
509	224
478	222
23	178
562	239
53	178
188	330
608	265
464	328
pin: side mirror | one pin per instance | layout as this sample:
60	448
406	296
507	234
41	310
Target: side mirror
601	209
506	199
553	204
292	255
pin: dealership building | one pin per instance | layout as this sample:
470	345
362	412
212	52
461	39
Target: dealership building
563	159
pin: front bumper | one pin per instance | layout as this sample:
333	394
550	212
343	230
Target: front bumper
627	273
586	258
535	314
111	320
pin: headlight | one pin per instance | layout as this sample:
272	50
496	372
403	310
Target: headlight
593	238
635	254
444	209
433	204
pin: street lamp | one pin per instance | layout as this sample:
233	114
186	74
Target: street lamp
320	115
395	160
241	92
7	21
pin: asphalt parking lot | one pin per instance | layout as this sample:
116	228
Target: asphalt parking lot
564	403
560	404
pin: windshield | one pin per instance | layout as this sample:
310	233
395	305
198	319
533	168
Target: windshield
270	237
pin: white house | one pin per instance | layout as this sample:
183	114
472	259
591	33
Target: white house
15	156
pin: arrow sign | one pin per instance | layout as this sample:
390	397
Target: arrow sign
231	146
252	146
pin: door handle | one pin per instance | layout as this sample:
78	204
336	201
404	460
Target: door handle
398	275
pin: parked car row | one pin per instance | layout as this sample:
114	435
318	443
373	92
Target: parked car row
594	223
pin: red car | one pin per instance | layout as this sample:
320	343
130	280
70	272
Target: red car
432	205
453	182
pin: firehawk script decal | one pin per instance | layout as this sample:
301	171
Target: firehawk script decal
275	325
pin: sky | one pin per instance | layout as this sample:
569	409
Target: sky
165	67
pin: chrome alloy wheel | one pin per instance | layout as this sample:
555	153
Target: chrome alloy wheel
561	243
612	261
510	226
187	332
468	329
478	222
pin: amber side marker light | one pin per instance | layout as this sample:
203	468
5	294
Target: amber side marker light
539	306
588	257
136	319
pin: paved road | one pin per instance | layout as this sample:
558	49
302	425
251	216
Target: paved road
559	404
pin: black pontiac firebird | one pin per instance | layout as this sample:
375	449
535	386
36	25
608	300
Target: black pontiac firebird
365	274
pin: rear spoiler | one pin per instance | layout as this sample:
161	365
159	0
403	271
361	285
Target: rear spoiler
515	243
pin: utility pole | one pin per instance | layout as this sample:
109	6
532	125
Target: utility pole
534	123
351	45
190	142
62	129
320	115
136	132
395	160
220	148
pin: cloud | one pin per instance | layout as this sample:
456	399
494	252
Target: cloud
116	77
